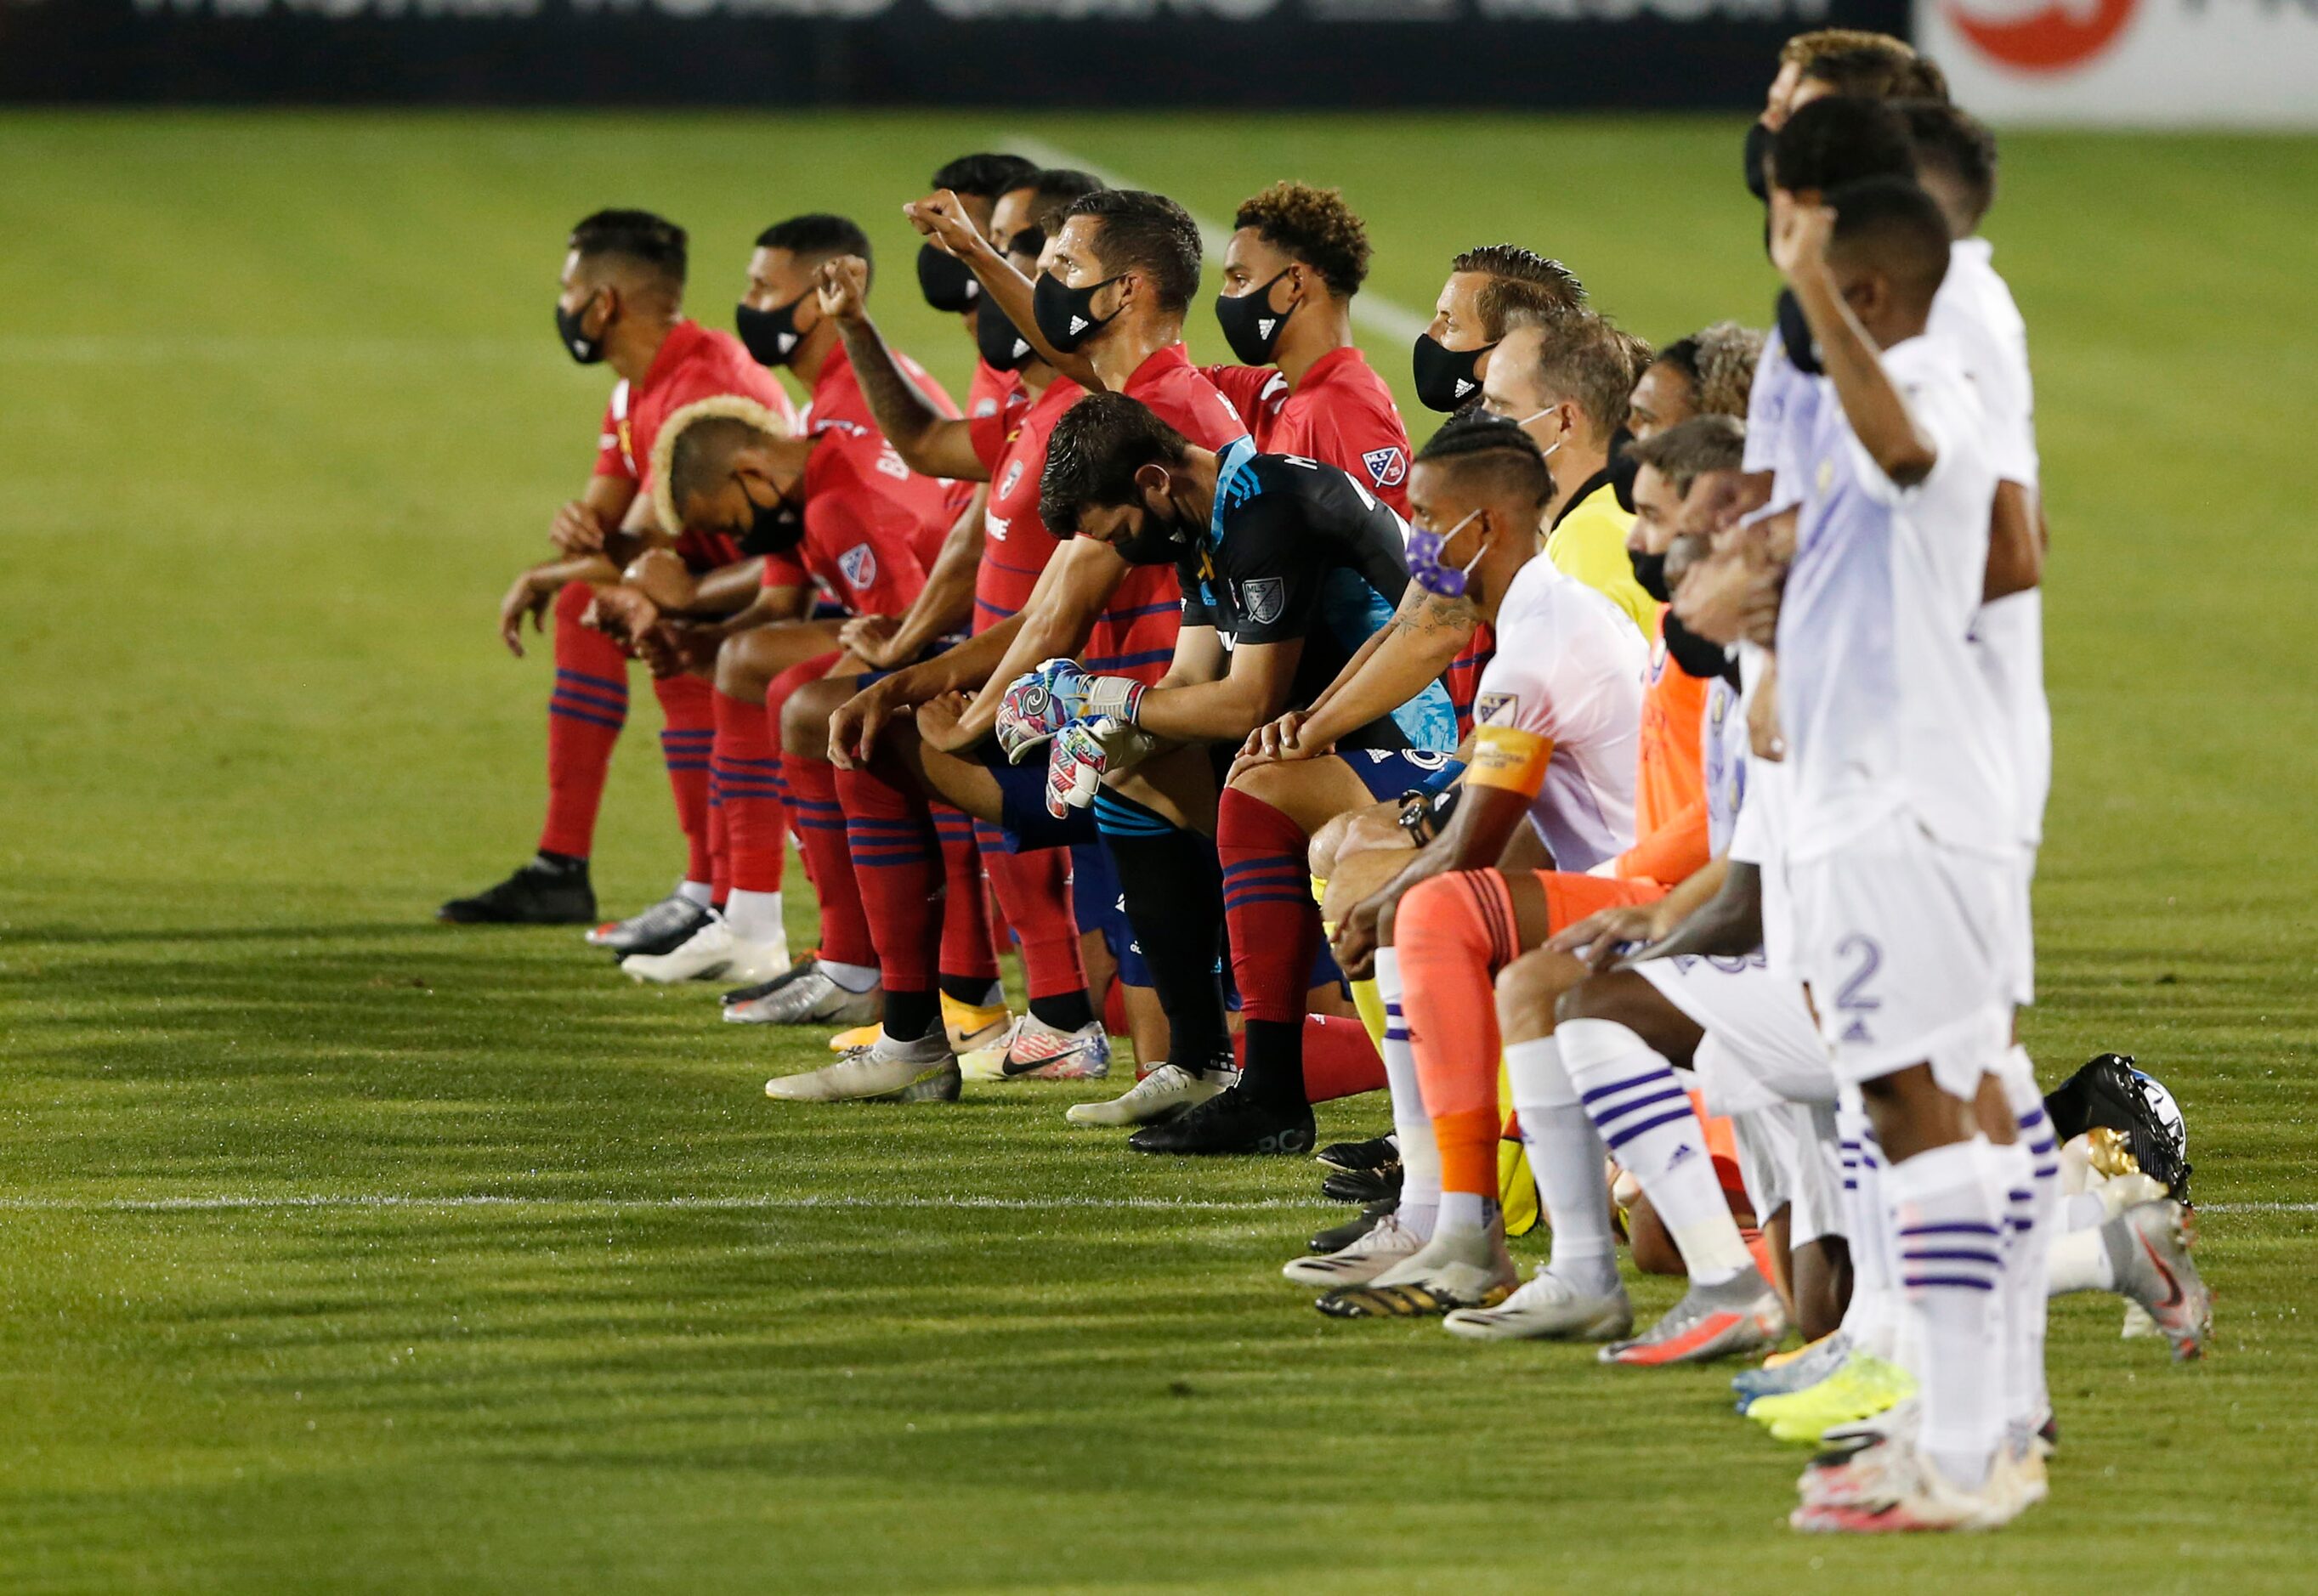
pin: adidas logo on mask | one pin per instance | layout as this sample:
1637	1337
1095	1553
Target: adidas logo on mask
1464	386
1263	327
1077	322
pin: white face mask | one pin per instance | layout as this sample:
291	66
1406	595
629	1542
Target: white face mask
1533	415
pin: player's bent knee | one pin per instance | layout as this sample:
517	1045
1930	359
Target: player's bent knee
1610	996
1527	990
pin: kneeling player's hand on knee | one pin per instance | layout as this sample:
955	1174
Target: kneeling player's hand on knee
1601	936
526	597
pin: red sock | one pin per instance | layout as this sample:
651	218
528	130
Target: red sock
820	834
1339	1059
719	848
1275	934
686	741
585	712
1034	889
748	794
968	951
898	868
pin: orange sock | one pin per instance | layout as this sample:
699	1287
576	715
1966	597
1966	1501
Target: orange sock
1452	935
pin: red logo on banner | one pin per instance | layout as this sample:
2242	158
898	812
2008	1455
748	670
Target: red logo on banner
2061	34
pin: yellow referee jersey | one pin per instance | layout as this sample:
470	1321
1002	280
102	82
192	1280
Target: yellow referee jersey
1588	542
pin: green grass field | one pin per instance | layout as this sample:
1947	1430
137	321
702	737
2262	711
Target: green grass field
346	1252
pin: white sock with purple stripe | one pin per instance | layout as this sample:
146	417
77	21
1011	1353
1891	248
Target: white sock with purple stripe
2033	1204
1950	1260
1420	1155
1646	1121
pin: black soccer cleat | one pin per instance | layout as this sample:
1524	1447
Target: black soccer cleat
1382	1153
541	894
1361	1186
1338	1237
663	928
1230	1121
2111	1093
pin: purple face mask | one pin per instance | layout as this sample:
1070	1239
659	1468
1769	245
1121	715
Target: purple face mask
1430	571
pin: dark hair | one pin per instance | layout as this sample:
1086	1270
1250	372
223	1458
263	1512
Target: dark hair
1474	440
1893	224
1841	140
636	236
1149	234
983	176
1873	73
1955	142
817	237
1688	450
1584	359
1314	226
1519	281
1097	447
1054	190
1719	362
1027	241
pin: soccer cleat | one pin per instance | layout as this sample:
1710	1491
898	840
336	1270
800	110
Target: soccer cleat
1230	1121
663	928
1470	1270
1741	1315
813	999
710	952
538	894
1033	1050
1389	1243
1360	1186
803	965
1547	1308
858	1037
1337	1237
1864	1387
2149	1247
1382	1153
1793	1371
921	1071
1168	1090
1891	1487
972	1026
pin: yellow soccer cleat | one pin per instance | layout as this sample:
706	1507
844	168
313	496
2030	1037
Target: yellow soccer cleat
972	1026
858	1036
1864	1386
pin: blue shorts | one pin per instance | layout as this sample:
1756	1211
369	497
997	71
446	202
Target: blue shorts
1391	774
1022	809
1096	897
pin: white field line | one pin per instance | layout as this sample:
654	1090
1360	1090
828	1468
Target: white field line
1372	311
358	1201
705	1205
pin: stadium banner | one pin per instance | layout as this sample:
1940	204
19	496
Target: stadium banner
1530	55
2129	63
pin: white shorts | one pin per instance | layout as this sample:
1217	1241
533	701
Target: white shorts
2024	931
1788	1158
1761	1046
1908	947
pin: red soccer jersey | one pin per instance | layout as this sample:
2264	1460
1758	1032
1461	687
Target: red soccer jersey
1342	414
1016	544
993	392
695	363
868	519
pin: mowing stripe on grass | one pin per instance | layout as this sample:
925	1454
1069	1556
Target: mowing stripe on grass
717	1205
1387	319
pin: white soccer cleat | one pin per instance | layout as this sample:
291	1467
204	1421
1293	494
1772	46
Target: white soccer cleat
2149	1249
711	953
921	1071
1547	1308
1733	1318
1389	1243
813	999
1161	1095
1892	1489
1033	1050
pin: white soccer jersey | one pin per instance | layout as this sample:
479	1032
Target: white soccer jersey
1722	757
1974	314
1782	409
1759	834
1567	672
1881	696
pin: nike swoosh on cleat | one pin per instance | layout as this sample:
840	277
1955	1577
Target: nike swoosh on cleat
2172	1284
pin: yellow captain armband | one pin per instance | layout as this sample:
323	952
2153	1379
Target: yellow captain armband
1504	757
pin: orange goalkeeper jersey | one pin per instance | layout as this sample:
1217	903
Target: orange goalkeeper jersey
1670	787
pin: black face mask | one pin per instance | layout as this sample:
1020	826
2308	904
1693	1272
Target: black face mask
773	529
946	283
1444	377
1251	326
1003	349
1649	571
1795	334
771	336
1065	315
1759	139
1159	542
570	332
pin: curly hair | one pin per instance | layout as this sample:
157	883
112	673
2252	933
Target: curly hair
1719	361
1520	280
1315	226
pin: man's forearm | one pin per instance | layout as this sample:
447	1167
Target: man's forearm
1222	711
1391	669
1728	923
1879	416
558	574
946	603
959	669
919	433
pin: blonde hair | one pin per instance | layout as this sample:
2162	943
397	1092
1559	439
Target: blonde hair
723	407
